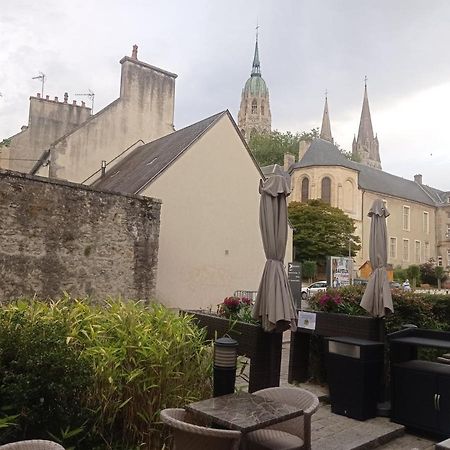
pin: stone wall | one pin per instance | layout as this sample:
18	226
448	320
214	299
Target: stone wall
60	237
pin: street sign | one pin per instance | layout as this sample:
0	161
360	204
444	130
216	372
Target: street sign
295	281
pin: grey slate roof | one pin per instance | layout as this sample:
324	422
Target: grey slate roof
324	153
144	163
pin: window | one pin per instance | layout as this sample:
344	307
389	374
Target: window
439	262
417	251
326	190
393	247
405	249
262	108
305	190
406	210
426	222
254	107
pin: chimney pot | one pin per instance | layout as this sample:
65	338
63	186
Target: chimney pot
56	99
66	97
38	95
47	97
74	102
418	178
289	159
134	52
82	103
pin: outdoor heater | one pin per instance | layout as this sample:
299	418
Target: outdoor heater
225	363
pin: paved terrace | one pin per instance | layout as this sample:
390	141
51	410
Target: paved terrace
334	432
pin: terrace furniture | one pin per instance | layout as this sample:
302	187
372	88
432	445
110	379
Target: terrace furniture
420	389
37	444
243	411
293	434
188	436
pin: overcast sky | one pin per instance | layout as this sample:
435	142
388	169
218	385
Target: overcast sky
306	46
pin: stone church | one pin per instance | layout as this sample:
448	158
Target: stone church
419	221
254	112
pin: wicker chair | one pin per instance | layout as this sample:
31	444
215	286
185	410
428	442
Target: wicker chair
32	445
188	436
293	434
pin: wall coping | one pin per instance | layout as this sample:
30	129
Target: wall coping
70	184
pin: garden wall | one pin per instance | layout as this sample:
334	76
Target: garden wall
57	237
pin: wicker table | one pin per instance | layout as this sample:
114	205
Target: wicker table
243	412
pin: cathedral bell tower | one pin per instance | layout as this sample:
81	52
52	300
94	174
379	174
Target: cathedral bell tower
254	112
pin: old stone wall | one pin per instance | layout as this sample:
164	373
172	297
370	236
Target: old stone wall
60	237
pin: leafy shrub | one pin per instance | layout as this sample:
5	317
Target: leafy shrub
103	372
237	308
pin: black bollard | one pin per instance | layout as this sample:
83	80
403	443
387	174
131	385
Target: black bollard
225	362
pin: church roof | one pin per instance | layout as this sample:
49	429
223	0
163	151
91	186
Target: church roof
255	85
145	163
324	153
365	131
325	129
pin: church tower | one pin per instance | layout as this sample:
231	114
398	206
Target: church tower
325	129
254	112
366	147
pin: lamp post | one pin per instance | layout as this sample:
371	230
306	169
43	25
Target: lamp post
225	363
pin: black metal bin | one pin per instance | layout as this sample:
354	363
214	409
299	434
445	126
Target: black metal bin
354	371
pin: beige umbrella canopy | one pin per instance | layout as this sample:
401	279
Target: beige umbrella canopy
274	305
377	299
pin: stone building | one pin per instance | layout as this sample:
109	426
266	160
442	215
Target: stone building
79	144
254	112
419	221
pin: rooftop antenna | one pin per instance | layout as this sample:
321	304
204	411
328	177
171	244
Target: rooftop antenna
41	77
91	95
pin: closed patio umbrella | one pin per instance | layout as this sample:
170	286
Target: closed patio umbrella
274	305
377	297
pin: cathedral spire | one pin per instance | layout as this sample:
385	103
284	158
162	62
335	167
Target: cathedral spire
366	146
325	130
256	67
365	131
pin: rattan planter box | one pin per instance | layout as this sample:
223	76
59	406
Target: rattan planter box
328	325
263	349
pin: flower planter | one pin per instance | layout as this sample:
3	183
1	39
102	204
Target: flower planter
263	349
328	325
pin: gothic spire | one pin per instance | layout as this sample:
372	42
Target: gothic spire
325	130
256	67
365	132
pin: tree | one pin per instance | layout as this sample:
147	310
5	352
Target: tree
440	275
320	230
269	148
309	269
413	273
5	143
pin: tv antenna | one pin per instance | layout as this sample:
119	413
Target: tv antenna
41	77
91	95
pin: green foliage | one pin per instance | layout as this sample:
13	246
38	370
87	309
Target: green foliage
349	299
400	274
413	273
309	269
237	309
269	148
5	143
321	230
104	372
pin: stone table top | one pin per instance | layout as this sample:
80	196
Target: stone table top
243	412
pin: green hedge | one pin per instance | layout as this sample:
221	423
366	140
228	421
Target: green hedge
97	376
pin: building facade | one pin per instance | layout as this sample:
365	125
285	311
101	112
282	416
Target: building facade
419	221
254	113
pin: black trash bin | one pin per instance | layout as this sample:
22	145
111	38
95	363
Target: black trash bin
354	371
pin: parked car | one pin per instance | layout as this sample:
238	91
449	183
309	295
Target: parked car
395	285
318	286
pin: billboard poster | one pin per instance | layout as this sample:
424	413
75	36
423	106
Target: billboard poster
295	281
339	271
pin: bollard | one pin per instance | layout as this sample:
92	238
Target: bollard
225	363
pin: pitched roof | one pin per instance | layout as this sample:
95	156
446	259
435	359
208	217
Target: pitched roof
325	129
145	163
365	131
323	153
